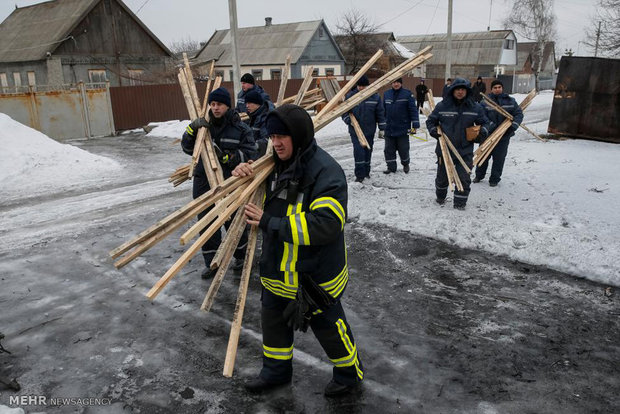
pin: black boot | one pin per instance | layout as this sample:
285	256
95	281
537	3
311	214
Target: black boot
208	273
406	169
259	384
336	389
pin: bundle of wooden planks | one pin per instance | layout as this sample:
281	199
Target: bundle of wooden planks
486	148
228	198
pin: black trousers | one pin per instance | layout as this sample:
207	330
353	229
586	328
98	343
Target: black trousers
441	181
330	328
398	144
499	157
201	186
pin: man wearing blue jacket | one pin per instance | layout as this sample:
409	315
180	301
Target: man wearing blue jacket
401	116
369	114
258	110
456	112
499	152
249	84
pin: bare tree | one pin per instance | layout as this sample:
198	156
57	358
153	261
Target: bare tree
354	34
604	32
534	20
187	45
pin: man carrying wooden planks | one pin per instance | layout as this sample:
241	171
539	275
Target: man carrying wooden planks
234	144
368	114
303	265
509	104
258	110
454	114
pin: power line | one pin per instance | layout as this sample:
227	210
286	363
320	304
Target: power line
433	18
400	14
143	4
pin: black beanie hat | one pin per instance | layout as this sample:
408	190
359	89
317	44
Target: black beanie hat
275	125
479	78
363	81
247	78
496	82
253	97
399	80
220	95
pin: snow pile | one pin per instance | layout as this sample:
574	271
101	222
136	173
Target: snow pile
32	163
556	206
169	129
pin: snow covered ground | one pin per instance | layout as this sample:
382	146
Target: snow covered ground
556	206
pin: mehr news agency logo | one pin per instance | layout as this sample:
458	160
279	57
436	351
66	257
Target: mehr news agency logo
42	400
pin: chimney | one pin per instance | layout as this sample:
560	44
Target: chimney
267	21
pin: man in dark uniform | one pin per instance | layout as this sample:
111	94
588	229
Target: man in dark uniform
420	94
401	117
456	112
501	149
235	144
249	84
369	114
303	254
258	110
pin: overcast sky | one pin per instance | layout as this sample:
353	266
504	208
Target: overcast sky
198	19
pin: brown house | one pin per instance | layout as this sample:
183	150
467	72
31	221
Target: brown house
67	41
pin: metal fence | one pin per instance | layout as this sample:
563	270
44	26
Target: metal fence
61	111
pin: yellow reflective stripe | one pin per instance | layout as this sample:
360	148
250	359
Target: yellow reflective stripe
299	228
346	361
285	256
338	290
342	330
189	130
278	353
279	288
332	204
337	281
294	230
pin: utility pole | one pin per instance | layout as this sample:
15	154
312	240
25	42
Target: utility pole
598	36
232	12
490	10
449	43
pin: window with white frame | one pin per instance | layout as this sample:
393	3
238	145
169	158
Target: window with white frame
509	44
17	78
32	79
258	74
135	77
276	74
97	76
329	71
4	82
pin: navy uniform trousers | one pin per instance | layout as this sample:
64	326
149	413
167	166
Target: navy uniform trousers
392	145
441	181
499	157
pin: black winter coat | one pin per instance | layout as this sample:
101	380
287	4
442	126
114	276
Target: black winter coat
304	215
240	107
510	105
454	116
231	136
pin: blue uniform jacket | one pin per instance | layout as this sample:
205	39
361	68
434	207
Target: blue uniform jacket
369	114
401	112
509	104
454	117
240	107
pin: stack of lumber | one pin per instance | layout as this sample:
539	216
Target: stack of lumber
230	196
486	148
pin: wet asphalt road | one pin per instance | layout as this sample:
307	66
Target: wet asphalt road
439	329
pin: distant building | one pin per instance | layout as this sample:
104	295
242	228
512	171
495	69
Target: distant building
394	54
527	64
486	54
66	41
262	50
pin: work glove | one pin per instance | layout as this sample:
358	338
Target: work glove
297	313
411	131
434	133
192	128
381	134
228	158
514	127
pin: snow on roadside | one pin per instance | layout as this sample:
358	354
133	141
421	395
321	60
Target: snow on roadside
31	163
168	129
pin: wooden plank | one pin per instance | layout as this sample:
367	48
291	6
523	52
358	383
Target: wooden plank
191	83
284	80
304	86
350	84
502	111
185	257
205	101
235	327
358	131
186	95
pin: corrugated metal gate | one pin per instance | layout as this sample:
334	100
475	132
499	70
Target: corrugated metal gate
586	103
73	111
